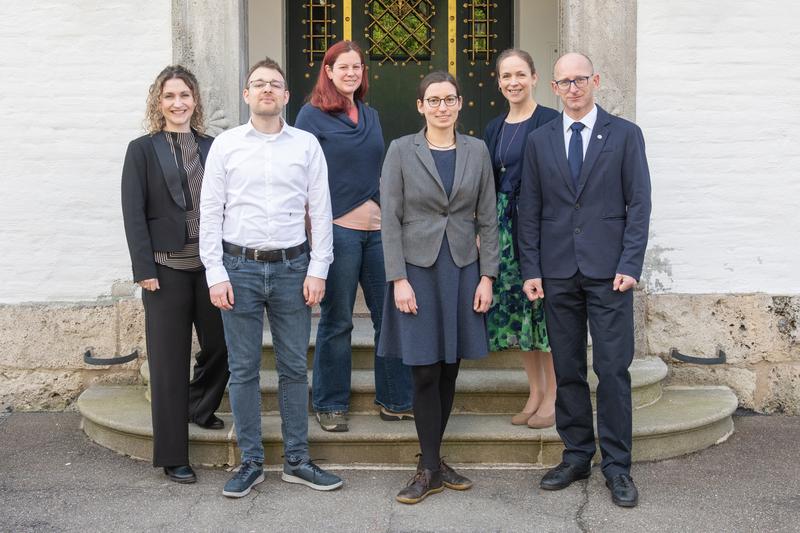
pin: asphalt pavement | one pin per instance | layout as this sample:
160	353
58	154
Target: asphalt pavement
53	478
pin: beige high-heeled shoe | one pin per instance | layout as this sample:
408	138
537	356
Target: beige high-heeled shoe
520	419
541	422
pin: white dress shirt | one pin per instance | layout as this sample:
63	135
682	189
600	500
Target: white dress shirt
588	121
256	187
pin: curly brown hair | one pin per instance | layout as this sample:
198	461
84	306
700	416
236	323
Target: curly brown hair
154	120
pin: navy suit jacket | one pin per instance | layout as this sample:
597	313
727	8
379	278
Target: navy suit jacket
601	228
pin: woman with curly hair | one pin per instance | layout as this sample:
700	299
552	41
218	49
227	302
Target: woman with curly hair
161	180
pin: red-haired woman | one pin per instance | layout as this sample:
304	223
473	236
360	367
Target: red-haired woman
352	140
161	181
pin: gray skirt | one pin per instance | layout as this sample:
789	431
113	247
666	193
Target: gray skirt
445	327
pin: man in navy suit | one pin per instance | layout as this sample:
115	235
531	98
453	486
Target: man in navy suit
584	213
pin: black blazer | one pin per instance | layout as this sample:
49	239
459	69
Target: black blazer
153	201
601	228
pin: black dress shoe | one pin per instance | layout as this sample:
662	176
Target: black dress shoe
623	490
180	474
214	422
563	475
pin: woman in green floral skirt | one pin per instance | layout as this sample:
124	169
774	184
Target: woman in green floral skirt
515	322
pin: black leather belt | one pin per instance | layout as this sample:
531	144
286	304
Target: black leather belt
265	256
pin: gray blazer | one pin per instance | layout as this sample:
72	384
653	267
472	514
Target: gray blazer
416	212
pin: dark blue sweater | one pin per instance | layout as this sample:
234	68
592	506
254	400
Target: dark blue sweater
353	152
511	183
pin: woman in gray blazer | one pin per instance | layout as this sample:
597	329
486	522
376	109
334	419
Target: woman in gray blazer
438	199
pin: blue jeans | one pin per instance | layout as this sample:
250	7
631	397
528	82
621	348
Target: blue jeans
358	258
278	287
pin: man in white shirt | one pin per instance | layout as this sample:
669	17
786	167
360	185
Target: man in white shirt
260	178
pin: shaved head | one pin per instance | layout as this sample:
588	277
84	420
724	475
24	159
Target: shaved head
572	60
574	81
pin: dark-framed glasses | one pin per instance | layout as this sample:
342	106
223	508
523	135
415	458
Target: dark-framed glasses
449	101
260	85
580	83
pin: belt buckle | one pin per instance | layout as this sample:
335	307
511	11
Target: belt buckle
256	255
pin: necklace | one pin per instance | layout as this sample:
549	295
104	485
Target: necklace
500	154
440	147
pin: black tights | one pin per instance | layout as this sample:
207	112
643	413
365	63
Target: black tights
434	389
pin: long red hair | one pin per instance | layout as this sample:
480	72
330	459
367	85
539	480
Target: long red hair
324	95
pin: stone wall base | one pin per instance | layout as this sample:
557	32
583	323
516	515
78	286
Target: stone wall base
759	334
42	346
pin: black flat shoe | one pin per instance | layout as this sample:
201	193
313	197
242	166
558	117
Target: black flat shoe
623	490
180	474
564	475
214	422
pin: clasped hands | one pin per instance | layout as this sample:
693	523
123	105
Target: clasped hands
533	287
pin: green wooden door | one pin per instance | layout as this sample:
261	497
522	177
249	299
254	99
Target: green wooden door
404	40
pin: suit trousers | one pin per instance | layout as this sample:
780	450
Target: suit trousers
568	305
170	312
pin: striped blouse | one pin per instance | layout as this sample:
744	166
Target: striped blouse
187	157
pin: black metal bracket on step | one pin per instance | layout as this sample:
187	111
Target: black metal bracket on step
90	359
718	360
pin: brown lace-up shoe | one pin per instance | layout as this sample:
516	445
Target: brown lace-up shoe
423	483
452	479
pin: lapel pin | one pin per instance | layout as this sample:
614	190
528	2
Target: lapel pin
599	136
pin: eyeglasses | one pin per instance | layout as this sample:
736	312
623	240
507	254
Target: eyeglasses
260	85
564	85
358	67
449	101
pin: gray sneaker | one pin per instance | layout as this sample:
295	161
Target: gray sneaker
333	421
250	473
310	475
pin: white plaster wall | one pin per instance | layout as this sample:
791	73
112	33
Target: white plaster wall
717	98
73	81
537	33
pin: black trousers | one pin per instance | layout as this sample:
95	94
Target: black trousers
170	312
568	305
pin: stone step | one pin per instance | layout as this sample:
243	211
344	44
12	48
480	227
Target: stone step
363	348
479	391
684	420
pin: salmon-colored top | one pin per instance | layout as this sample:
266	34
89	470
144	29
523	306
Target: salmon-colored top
366	217
352	114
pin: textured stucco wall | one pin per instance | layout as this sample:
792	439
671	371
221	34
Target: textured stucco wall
717	100
73	81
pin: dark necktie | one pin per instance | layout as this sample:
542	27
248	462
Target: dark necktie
575	154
